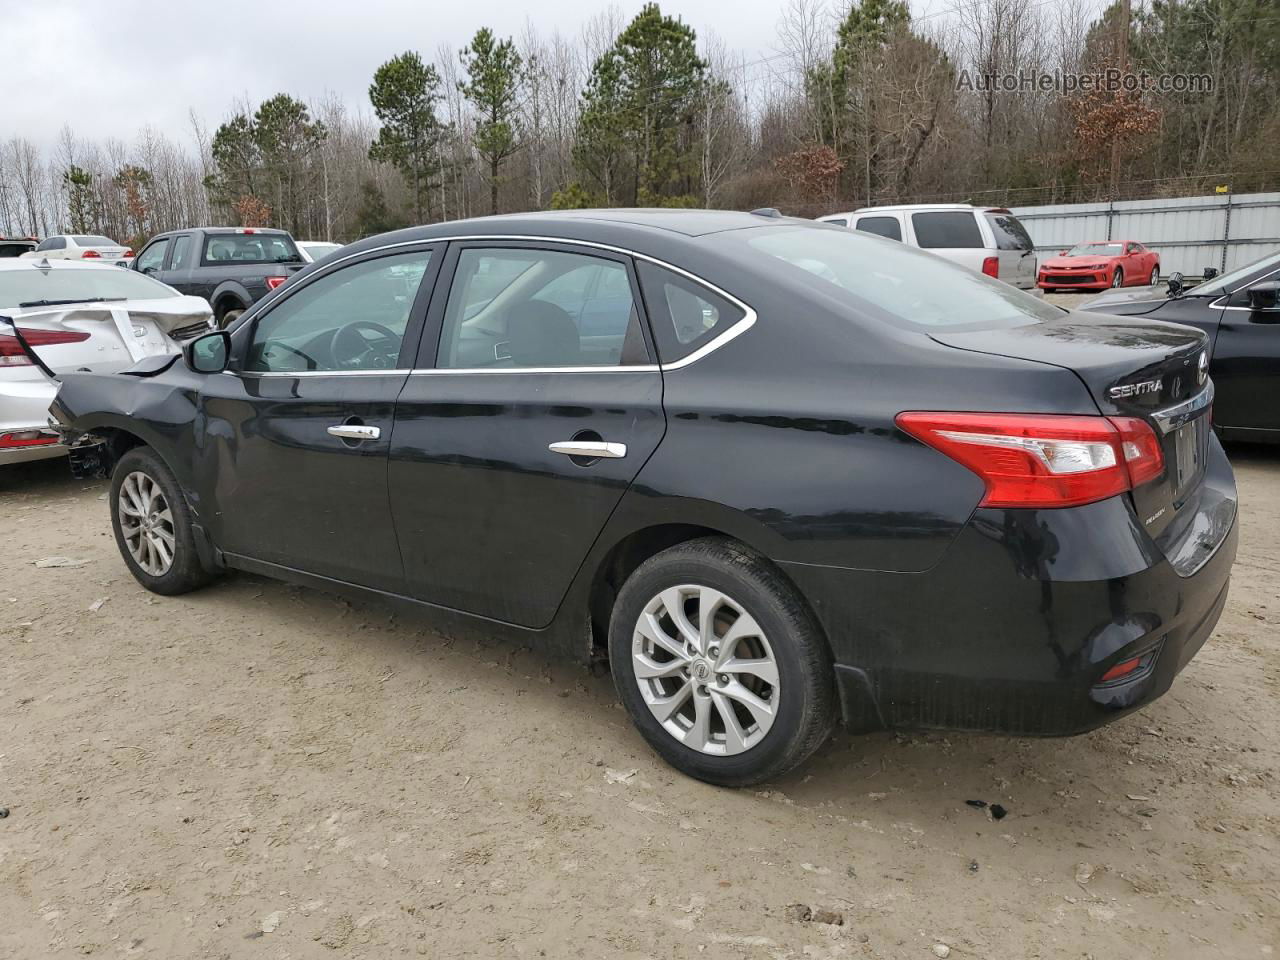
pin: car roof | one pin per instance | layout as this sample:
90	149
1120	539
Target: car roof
915	207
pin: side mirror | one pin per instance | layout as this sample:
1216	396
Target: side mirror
1263	296
1210	272
1175	283
208	353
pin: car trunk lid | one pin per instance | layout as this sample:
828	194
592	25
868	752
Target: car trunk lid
1132	368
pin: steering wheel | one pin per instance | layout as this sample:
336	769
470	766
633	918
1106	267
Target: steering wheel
351	350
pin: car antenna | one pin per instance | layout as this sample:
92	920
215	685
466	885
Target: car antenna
26	348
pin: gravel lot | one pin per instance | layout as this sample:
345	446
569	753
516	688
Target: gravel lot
260	770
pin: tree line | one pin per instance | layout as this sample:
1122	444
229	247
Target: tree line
860	103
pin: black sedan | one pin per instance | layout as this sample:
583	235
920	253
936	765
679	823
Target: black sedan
775	473
1240	314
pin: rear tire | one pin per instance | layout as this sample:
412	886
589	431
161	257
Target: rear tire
1117	278
746	699
152	525
230	317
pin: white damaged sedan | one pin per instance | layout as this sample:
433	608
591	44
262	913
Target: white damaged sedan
77	316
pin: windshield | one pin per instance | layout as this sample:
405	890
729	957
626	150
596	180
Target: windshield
1096	250
83	283
1228	282
894	282
250	248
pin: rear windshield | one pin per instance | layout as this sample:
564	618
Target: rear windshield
14	248
250	248
947	229
95	242
1096	250
892	281
86	283
1010	234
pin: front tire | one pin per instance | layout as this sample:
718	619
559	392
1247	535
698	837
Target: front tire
1155	276
152	525
720	664
1117	278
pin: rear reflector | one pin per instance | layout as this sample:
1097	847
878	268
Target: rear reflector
991	267
273	282
26	438
90	255
1043	460
12	354
1122	669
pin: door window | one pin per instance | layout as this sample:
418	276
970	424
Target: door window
685	314
180	259
152	257
53	243
519	308
947	230
881	227
351	319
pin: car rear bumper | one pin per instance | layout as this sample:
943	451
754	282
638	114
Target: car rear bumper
1014	628
24	407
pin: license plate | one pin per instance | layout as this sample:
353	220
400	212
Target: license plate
1189	443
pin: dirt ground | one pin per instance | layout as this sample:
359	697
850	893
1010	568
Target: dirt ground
259	770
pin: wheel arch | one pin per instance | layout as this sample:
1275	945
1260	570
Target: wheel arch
628	552
229	296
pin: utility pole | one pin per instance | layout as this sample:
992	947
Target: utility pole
1122	45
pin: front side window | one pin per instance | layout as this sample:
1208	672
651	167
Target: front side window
250	247
519	308
351	319
685	314
881	226
152	257
897	284
947	230
1009	232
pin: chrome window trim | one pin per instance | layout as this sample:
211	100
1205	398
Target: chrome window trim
731	333
398	371
1170	418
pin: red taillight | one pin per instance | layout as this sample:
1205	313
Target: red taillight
1122	669
273	282
991	267
12	355
27	438
127	253
1043	460
90	255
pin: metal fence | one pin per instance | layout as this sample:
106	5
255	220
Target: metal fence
1190	233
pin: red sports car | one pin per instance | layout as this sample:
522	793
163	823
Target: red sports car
1092	266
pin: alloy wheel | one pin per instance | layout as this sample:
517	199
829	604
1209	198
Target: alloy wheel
705	670
1117	278
146	522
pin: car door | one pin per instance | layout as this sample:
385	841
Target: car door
294	437
1246	364
517	435
176	270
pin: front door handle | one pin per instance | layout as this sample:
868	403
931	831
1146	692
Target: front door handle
589	448
355	431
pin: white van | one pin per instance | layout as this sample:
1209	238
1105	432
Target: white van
989	240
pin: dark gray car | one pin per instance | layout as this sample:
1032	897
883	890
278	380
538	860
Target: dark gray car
231	267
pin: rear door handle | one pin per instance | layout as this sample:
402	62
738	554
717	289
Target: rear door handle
355	431
589	448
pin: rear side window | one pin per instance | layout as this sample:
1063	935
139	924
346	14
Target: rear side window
250	248
837	221
1009	232
181	256
880	226
685	314
53	243
8	250
947	230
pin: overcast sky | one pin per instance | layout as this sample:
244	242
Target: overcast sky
108	69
